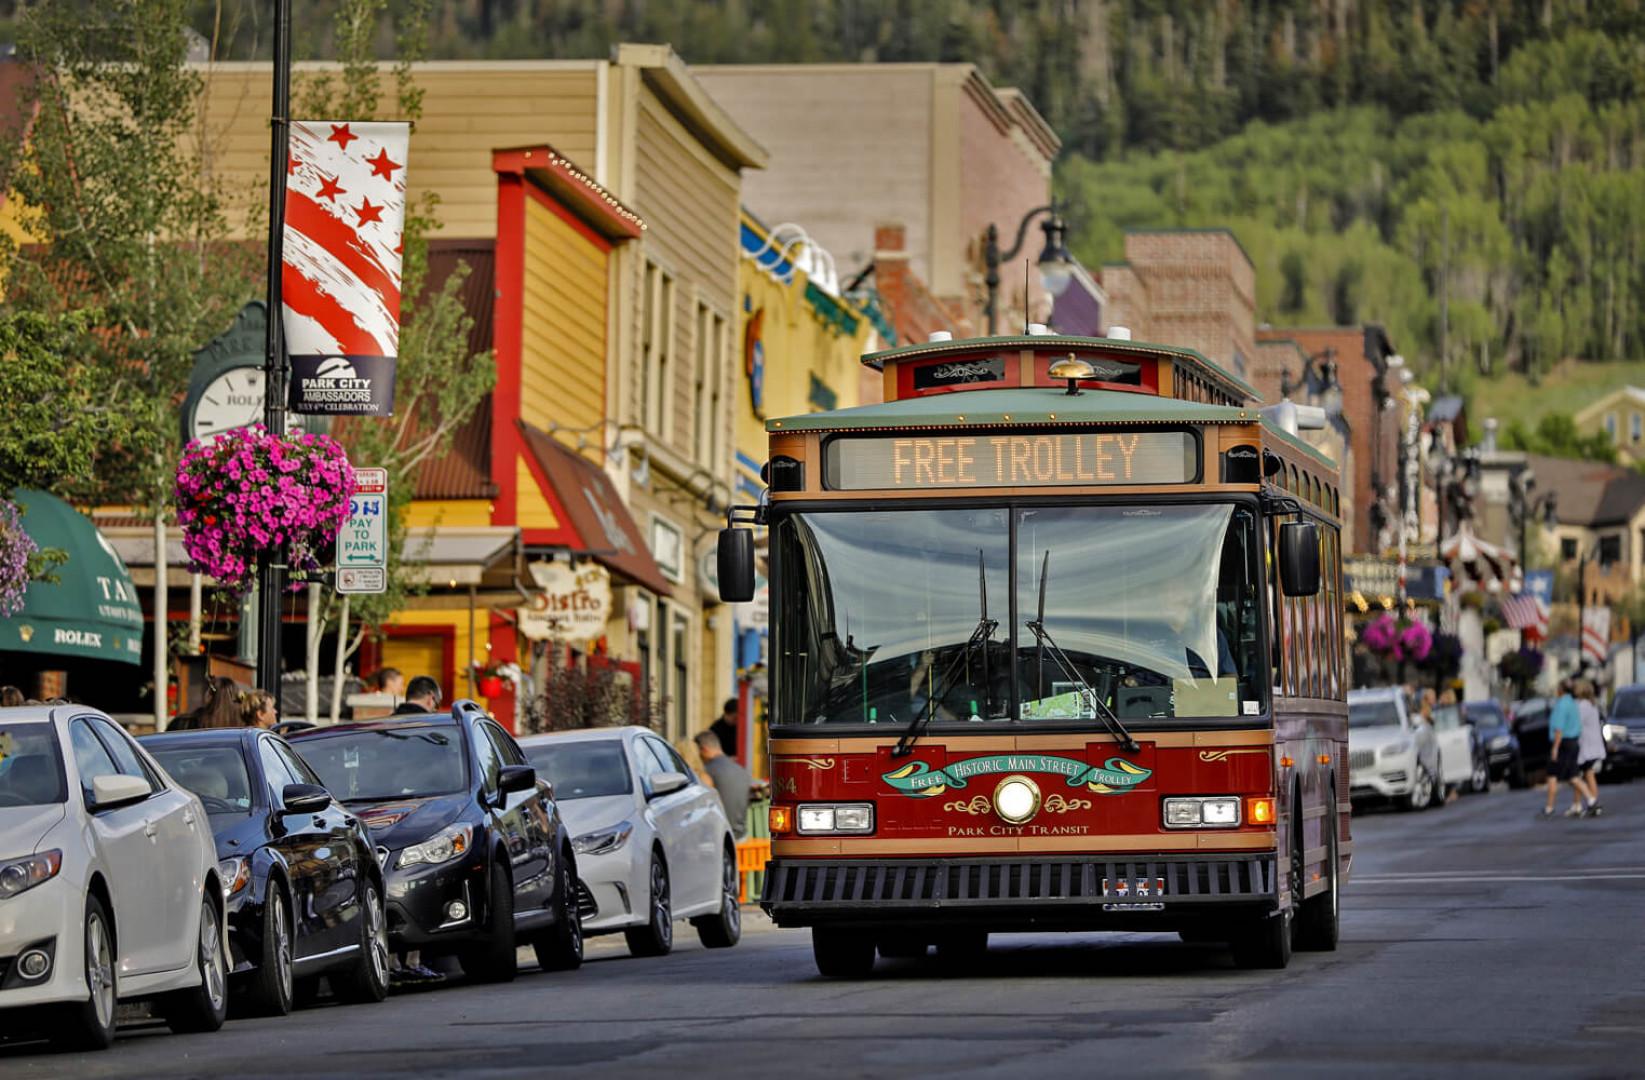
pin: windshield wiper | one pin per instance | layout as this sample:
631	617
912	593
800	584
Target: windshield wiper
980	636
1044	640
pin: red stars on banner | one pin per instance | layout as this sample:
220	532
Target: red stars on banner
382	166
367	212
341	135
329	189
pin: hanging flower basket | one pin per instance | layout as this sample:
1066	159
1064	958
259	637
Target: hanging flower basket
16	549
490	685
249	495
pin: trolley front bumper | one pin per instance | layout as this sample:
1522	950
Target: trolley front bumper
1068	892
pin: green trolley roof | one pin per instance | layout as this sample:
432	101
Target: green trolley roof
1023	405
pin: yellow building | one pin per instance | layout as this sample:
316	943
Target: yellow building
600	200
800	343
1621	416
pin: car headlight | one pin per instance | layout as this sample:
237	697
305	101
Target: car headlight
1213	812
603	841
1615	732
235	872
821	818
1498	742
21	875
446	845
1395	749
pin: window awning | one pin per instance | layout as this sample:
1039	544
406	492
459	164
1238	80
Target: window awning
92	609
448	555
596	515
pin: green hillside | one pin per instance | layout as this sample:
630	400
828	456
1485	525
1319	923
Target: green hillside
1565	389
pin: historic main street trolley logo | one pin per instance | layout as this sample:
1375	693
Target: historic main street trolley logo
1116	776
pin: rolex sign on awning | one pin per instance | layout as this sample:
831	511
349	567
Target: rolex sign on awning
340	272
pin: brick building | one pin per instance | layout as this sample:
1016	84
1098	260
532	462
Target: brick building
1194	288
1361	355
947	154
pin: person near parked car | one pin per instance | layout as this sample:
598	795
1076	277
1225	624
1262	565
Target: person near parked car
730	780
389	681
11	697
422	696
1564	738
257	709
1590	750
725	728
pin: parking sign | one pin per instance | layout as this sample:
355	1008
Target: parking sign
362	546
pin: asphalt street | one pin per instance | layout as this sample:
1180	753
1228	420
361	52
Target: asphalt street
1477	941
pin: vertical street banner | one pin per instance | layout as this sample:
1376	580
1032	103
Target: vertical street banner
1596	633
340	273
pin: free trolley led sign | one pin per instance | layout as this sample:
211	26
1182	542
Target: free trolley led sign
1084	459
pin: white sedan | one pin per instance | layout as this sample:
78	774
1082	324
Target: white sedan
652	841
108	880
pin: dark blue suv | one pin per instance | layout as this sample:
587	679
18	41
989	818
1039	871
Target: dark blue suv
1497	738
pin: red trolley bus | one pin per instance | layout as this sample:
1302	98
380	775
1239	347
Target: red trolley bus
1056	645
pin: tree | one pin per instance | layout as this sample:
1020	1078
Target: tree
56	423
1556	435
438	381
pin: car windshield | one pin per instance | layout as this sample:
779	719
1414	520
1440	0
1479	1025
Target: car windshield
583	770
1485	714
31	767
887	615
215	773
1364	714
387	763
1629	704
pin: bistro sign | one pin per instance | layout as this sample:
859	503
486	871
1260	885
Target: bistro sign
573	604
1087	459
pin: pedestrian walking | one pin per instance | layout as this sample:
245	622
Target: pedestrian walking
422	696
730	780
725	728
1590	750
1564	739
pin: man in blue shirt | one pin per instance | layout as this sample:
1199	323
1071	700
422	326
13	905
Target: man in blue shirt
1564	740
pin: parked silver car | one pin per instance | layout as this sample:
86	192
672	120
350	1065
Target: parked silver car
1391	754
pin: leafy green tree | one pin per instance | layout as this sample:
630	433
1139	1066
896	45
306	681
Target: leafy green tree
1556	435
56	422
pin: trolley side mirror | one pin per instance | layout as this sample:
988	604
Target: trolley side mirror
735	562
1298	558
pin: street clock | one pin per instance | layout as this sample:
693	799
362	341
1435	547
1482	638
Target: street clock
226	388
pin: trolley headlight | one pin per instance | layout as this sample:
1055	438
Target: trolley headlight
1016	800
1202	812
817	819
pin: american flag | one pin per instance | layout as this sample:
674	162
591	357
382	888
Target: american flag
345	213
1525	612
1596	633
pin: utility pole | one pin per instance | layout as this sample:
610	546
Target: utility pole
275	372
1445	300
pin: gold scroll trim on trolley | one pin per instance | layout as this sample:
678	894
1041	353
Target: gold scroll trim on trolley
978	805
1055	804
1223	755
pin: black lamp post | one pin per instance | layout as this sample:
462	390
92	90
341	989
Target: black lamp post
1524	506
1055	264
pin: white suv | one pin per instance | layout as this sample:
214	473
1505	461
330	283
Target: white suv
1391	755
108	880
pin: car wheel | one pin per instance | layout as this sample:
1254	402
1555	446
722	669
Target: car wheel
1318	922
90	1024
1480	782
656	937
204	1007
495	961
904	949
1264	943
841	953
560	947
1421	791
724	928
366	980
270	991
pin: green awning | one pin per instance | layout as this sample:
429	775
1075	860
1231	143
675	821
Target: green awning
92	609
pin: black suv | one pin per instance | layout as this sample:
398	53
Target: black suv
471	842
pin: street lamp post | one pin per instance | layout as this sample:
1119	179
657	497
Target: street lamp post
1055	263
1523	506
269	577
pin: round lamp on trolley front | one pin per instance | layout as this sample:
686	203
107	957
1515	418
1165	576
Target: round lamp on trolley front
1016	800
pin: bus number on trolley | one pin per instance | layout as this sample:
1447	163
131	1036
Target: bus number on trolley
1086	459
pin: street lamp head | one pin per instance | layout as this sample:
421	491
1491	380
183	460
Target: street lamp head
1056	265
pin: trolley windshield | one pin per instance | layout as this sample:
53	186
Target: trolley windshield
998	616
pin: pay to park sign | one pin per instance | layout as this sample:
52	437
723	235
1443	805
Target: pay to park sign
362	546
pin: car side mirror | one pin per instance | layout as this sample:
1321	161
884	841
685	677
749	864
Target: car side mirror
734	560
1299	558
667	783
108	792
516	778
304	798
